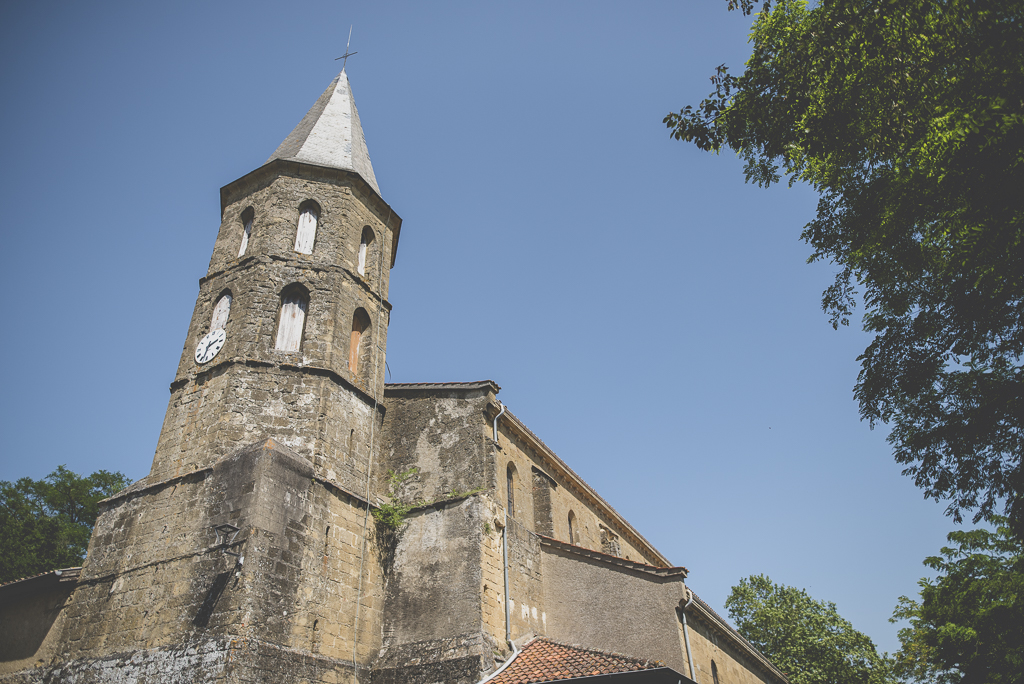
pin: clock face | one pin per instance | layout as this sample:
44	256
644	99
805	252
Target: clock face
210	345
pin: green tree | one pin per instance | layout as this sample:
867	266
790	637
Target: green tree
908	117
805	638
45	524
969	624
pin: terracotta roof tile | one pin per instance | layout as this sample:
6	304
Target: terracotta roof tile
546	661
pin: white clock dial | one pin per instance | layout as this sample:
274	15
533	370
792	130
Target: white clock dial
210	345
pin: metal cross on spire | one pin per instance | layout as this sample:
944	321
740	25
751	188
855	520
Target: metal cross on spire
347	53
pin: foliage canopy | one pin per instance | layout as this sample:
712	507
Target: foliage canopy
805	638
907	116
45	524
969	624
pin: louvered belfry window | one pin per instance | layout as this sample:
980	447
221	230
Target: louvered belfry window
220	312
305	234
246	232
364	248
293	317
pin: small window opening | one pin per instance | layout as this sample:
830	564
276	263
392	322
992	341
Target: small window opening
714	672
294	303
221	311
364	248
360	324
510	477
572	527
247	217
305	233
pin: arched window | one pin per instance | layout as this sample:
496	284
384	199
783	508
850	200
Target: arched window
221	309
247	217
294	302
305	233
360	324
572	527
510	481
714	672
364	248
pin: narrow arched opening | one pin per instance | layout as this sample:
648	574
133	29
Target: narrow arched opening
510	490
292	318
247	218
305	231
364	249
357	342
221	311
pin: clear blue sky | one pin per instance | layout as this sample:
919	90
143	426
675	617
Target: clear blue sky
647	314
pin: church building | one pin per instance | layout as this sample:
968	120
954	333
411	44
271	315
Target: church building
305	522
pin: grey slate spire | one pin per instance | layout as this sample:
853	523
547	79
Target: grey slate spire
330	134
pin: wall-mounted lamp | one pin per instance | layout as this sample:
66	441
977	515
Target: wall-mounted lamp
226	534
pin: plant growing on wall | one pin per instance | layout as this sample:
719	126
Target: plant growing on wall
390	517
391	514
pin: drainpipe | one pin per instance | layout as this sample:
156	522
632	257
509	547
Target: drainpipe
508	609
500	413
508	616
504	562
686	635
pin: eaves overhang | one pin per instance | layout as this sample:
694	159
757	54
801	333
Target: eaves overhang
679	573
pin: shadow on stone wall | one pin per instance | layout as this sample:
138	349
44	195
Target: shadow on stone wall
220	582
27	618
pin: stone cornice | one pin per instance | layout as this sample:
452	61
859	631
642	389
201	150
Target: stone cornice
305	369
679	573
245	263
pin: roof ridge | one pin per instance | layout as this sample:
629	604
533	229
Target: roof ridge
545	660
598	651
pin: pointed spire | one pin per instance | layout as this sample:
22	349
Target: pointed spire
330	134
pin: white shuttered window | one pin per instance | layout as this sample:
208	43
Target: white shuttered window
220	313
245	237
362	258
305	235
364	247
293	315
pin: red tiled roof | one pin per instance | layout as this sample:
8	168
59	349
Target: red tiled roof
545	661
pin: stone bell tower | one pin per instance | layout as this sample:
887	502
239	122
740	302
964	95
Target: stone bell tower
248	553
298	283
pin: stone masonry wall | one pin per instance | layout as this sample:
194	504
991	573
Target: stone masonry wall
432	617
238	404
605	606
711	646
156	587
251	390
443	435
540	490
